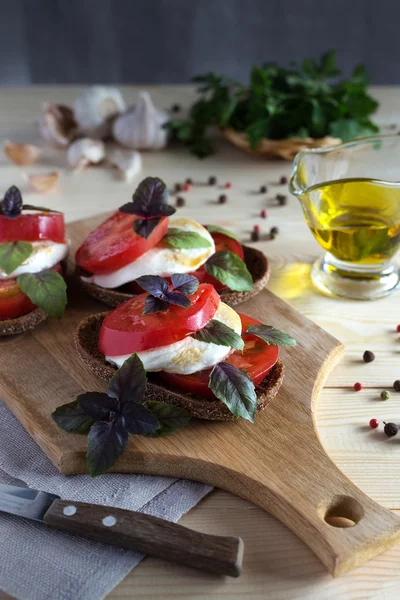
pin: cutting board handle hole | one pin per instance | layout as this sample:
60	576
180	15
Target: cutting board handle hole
342	511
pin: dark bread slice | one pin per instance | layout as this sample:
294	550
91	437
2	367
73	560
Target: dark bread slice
23	323
256	262
86	338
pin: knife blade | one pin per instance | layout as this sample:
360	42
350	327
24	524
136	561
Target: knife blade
127	529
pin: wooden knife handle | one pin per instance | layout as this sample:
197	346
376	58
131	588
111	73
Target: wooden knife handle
150	535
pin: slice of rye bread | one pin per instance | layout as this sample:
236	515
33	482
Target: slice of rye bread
23	323
86	338
256	262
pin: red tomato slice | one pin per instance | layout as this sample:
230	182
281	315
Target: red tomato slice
256	360
222	242
13	302
114	244
32	228
126	329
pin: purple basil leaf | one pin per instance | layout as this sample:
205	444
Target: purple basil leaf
106	443
178	298
130	381
97	405
144	227
11	205
235	389
72	418
165	210
154	305
153	284
138	418
187	284
149	196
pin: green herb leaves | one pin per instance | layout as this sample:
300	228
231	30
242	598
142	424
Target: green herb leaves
227	267
235	389
109	418
218	333
46	289
13	254
279	103
161	296
179	238
271	336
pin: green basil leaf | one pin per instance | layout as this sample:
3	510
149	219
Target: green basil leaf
218	229
271	336
235	389
72	418
218	333
13	254
106	443
46	289
170	418
227	267
179	238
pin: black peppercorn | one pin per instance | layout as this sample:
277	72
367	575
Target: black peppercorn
189	180
212	180
180	202
175	108
391	429
223	198
282	199
178	187
396	385
368	356
274	231
255	235
283	180
263	189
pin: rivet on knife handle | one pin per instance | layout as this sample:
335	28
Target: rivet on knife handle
153	536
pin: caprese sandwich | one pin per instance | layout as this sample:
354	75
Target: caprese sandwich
199	353
32	249
141	239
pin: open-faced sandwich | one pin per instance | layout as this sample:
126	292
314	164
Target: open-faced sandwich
199	353
32	248
141	239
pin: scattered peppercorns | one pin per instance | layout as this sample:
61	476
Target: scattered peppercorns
255	235
283	180
385	395
175	108
178	187
180	202
263	214
223	199
263	189
274	231
189	181
212	180
396	385
282	199
391	429
187	187
358	387
368	356
374	423
228	184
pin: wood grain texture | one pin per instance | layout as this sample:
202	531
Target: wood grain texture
276	563
153	536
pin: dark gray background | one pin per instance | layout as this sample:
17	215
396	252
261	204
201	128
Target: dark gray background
160	41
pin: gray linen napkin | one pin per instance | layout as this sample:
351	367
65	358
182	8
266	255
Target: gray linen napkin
37	563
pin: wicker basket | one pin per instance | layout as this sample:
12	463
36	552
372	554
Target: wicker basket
286	148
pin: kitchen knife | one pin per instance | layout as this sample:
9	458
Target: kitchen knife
127	529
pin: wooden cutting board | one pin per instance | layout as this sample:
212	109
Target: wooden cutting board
277	462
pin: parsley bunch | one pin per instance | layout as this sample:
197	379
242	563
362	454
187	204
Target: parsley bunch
302	101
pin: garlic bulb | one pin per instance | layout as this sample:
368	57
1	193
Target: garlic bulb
85	152
21	154
126	165
57	125
95	107
141	126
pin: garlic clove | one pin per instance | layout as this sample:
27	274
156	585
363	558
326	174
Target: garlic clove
43	183
85	152
95	109
58	126
126	165
141	126
21	154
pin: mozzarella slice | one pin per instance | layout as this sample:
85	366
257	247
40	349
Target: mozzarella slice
188	355
161	260
45	255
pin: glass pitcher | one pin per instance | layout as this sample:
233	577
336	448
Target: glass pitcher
350	195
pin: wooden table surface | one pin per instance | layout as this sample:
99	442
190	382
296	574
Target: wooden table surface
276	565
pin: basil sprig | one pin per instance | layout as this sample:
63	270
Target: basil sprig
13	254
108	418
235	389
160	296
150	203
218	229
46	289
271	336
179	238
218	333
230	270
12	204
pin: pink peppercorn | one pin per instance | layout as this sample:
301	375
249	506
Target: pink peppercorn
263	214
398	328
374	423
228	184
187	187
358	387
